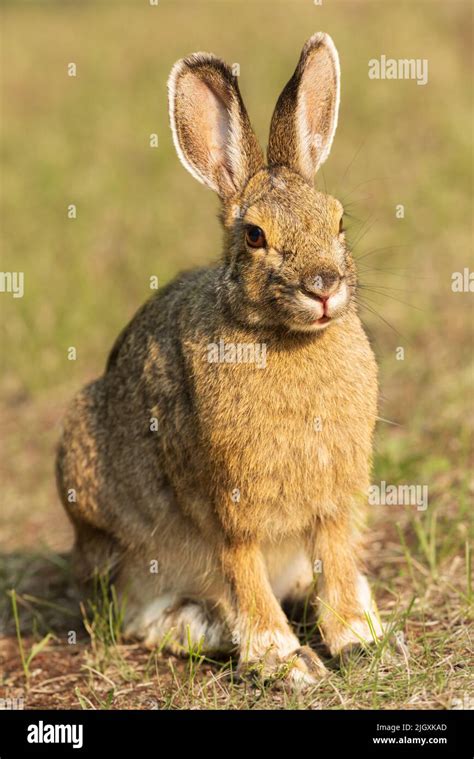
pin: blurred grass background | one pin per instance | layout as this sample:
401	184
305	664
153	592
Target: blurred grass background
85	140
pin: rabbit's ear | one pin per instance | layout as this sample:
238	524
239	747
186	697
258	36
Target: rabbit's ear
305	116
211	128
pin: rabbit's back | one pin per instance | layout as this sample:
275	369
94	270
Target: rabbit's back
109	464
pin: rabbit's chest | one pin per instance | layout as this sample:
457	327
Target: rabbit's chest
281	425
286	439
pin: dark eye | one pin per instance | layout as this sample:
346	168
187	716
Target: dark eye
255	237
341	225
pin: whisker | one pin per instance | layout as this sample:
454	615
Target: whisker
367	181
394	272
352	204
386	295
388	421
368	285
353	159
362	234
373	251
352	217
362	304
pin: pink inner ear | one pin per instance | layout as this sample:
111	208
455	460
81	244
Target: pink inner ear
205	124
317	104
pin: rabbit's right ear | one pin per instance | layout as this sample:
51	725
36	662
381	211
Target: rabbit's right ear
211	128
305	117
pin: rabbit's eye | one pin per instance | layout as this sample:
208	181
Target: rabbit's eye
255	237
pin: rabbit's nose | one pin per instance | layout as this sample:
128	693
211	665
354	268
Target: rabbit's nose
322	285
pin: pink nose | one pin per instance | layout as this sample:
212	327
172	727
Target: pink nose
324	298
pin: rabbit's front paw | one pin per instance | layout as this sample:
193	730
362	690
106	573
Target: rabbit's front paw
342	637
305	668
300	669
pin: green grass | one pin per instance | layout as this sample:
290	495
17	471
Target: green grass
85	140
27	657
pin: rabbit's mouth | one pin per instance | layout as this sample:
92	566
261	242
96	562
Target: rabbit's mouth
318	311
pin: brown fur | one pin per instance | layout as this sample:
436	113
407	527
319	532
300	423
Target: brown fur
238	493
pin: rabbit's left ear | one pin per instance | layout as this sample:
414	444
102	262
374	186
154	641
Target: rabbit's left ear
305	117
211	128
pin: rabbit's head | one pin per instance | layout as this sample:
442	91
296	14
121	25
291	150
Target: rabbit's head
287	261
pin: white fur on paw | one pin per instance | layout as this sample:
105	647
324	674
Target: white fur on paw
188	627
137	623
357	631
257	644
178	627
301	669
300	680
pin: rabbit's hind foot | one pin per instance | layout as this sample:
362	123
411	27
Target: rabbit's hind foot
179	626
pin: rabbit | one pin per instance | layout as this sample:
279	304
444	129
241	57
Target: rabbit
219	468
